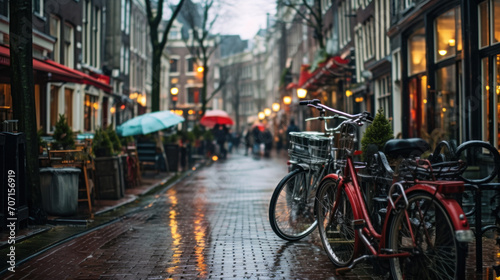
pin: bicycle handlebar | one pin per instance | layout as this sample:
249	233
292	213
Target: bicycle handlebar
359	119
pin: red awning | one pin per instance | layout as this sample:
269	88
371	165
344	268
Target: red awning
324	73
87	79
291	86
58	71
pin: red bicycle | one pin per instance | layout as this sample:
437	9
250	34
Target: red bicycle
422	232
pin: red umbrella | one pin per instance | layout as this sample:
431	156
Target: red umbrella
213	117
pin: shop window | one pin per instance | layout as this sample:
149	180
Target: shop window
5	103
497	93
496	21
484	26
68	105
416	52
90	112
485	91
489	30
419	106
448	32
445	107
54	106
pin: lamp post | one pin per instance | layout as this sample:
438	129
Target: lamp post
173	92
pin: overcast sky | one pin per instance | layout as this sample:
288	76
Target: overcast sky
244	17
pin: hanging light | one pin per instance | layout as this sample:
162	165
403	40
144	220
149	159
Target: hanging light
276	106
262	115
267	112
301	93
287	100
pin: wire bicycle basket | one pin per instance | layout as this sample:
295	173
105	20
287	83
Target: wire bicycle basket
309	147
345	143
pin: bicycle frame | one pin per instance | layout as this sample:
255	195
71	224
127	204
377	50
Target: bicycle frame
364	226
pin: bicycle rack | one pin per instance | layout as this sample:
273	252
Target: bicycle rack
478	189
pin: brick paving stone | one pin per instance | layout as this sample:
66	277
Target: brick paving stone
212	225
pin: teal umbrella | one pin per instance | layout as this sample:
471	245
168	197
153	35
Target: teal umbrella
148	123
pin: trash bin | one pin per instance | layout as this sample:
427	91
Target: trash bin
59	188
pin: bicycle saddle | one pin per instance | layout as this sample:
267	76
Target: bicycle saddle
405	147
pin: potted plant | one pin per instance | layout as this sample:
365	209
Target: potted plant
171	147
110	183
63	135
376	135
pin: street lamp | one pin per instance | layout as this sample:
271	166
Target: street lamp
276	106
287	100
301	93
174	91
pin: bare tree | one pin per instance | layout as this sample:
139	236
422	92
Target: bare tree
200	20
158	44
312	15
22	83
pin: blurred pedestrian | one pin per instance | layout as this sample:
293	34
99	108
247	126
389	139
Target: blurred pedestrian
220	135
257	140
267	138
247	136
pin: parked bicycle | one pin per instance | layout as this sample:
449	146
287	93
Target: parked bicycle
312	156
423	231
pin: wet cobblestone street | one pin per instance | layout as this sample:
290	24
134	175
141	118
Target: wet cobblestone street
211	225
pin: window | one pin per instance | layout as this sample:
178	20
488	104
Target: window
37	6
55	31
5	103
54	106
90	112
416	52
489	30
193	95
68	105
446	109
69	51
448	40
383	95
4	8
484	27
191	64
174	67
496	21
382	24
344	23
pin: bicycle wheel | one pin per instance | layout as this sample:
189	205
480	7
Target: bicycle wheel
435	252
291	210
482	160
335	229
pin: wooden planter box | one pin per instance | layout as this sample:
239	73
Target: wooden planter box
110	183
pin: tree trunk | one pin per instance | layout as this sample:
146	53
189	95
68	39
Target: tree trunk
155	90
22	86
204	100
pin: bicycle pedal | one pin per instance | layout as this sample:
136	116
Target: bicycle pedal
358	224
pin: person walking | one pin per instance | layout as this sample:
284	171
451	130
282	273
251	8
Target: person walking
248	139
257	140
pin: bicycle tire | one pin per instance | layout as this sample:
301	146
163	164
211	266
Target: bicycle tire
291	215
437	254
335	229
482	160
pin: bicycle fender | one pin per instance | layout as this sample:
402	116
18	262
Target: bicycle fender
451	206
